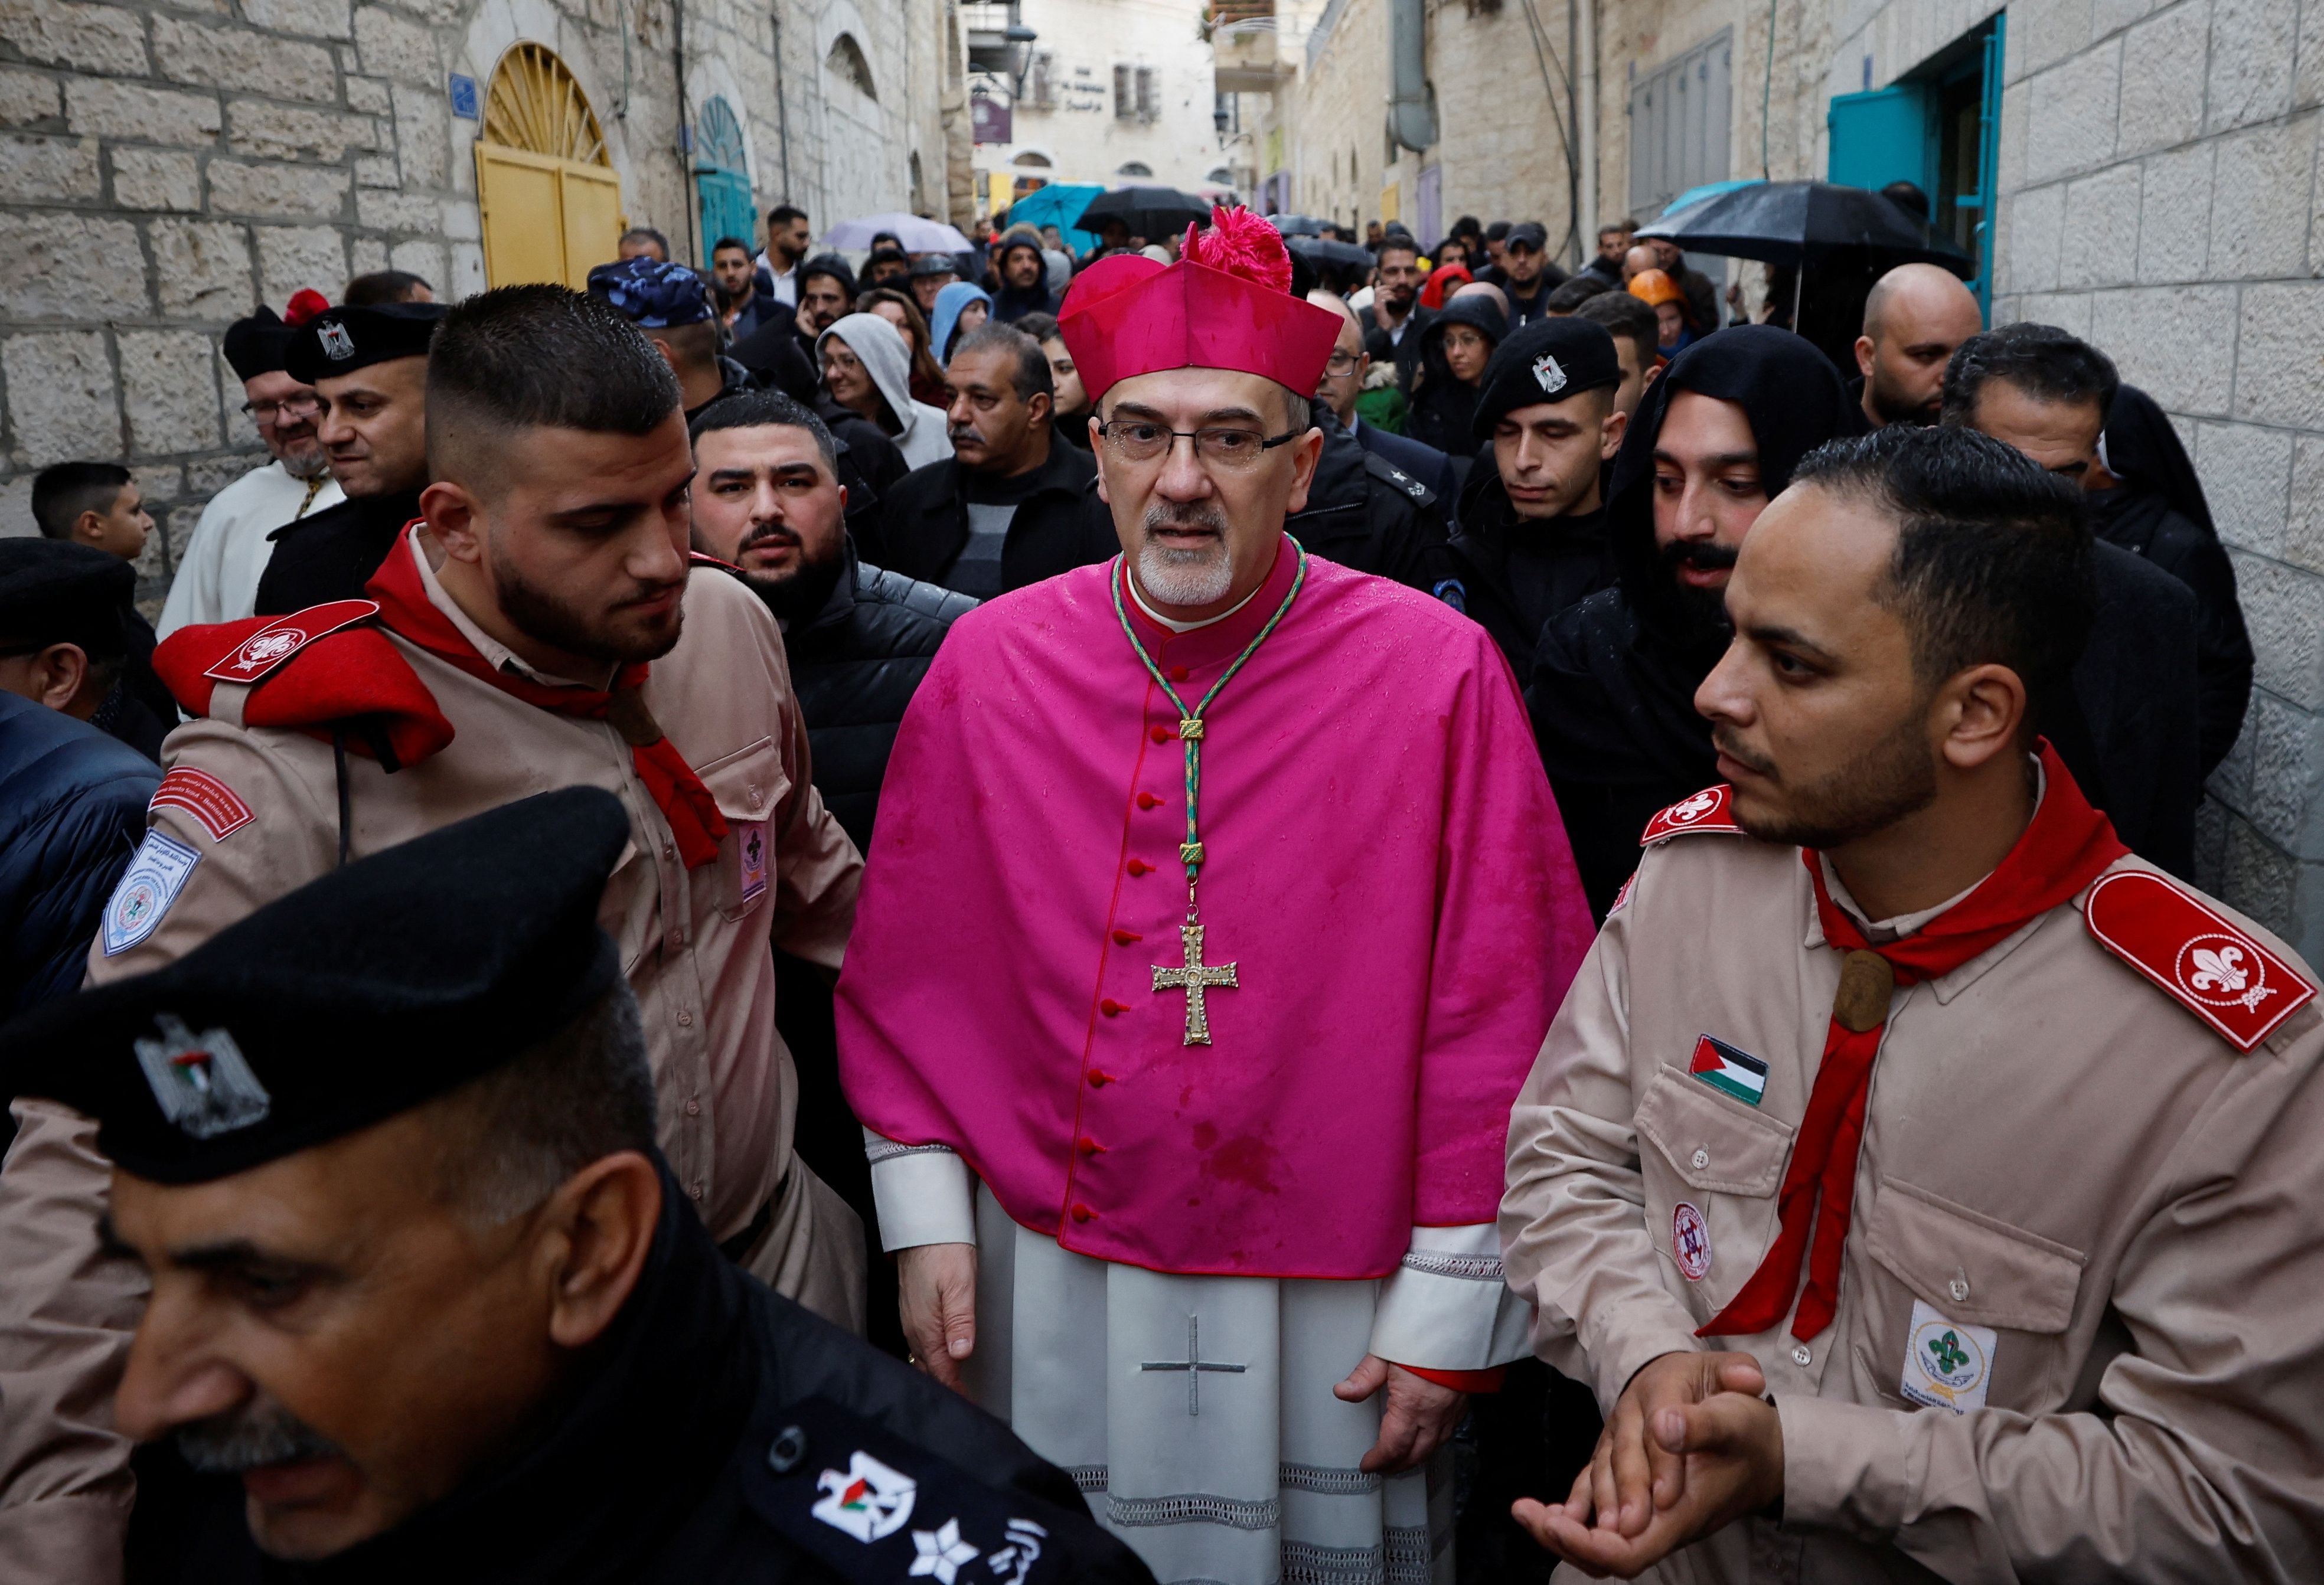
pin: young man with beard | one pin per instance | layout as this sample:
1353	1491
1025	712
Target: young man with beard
1023	274
427	1302
1926	1183
539	628
1526	274
218	572
1398	318
1227	1154
1612	690
1011	505
768	501
786	244
368	368
1913	317
1532	539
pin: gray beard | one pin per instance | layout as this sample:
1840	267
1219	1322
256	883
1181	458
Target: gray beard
1185	578
309	467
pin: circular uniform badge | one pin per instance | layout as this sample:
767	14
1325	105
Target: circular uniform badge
1691	1242
1951	1360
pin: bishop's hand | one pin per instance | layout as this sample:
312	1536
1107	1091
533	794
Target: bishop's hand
936	1295
1690	1448
1417	1418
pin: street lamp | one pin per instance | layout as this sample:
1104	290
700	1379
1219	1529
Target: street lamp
1021	37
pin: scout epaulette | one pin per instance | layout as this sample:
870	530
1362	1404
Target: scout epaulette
697	558
1707	810
2214	969
326	671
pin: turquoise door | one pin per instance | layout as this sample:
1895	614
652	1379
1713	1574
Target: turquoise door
721	180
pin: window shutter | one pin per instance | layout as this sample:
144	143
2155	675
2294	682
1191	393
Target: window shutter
1125	101
1043	91
1149	97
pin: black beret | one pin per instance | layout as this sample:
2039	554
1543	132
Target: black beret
55	592
358	996
258	344
339	341
1548	360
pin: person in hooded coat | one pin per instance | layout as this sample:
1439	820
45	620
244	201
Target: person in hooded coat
1031	294
1612	691
2156	508
945	324
1444	402
917	429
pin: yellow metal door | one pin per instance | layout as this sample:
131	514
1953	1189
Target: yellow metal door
524	216
592	221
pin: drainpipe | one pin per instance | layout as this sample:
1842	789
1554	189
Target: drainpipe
1587	61
1412	103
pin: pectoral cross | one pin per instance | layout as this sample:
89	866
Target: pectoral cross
1195	979
1193	1365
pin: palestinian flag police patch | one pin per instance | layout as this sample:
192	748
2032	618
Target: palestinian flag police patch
1724	1068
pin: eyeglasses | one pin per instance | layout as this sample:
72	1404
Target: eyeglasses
1136	440
1343	364
293	411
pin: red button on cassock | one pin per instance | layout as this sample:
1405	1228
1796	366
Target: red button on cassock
1124	937
1099	1078
1138	866
1110	1007
1147	800
1177	674
1160	735
1087	1146
1082	1213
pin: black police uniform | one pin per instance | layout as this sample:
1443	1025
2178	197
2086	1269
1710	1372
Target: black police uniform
715	1431
1366	512
332	554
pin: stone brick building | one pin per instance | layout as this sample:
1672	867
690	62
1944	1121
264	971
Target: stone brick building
2148	167
167	165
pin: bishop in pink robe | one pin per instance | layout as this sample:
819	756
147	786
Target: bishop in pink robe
1184	1246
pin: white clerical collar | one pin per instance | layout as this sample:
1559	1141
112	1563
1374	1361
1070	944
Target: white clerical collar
1188	627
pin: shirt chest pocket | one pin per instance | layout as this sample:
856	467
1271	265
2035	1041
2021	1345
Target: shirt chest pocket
1971	1270
1711	1167
748	785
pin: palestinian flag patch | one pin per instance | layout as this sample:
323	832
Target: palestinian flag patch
1722	1067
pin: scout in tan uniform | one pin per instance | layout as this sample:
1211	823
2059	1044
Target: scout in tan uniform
1928	1187
540	631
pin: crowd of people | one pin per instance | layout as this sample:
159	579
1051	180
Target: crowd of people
1163	915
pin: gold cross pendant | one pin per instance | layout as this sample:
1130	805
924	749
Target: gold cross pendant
1196	978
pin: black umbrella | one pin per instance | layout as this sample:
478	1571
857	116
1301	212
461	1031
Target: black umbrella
1341	266
1300	225
1802	222
1153	213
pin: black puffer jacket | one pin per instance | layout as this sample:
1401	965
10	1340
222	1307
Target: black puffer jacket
72	809
1060	526
855	668
1365	512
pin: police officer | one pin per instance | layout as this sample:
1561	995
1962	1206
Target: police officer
369	369
427	1302
1532	539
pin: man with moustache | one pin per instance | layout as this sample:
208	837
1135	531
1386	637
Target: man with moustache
1913	317
437	1308
1344	382
1612	690
218	573
368	368
1926	1183
538	629
1011	505
1227	1148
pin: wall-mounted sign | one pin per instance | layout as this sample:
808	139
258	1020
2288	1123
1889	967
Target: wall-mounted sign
464	96
989	120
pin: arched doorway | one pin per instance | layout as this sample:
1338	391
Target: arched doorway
722	177
550	203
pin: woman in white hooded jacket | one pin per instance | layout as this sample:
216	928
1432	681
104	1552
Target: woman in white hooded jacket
867	367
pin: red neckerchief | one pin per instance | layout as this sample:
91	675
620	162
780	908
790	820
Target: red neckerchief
676	791
2067	845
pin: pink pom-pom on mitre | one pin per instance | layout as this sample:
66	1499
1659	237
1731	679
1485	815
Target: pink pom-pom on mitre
1240	244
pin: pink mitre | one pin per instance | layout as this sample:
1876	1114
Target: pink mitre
1225	304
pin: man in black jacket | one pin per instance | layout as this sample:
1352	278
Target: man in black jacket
1532	539
2141	684
440	1310
1393	337
369	369
1012	506
767	503
72	639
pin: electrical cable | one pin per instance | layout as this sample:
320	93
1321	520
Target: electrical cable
1543	53
1766	91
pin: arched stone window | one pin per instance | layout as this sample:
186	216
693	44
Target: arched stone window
846	62
1135	168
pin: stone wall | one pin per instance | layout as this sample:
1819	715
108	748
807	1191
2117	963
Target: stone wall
165	168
